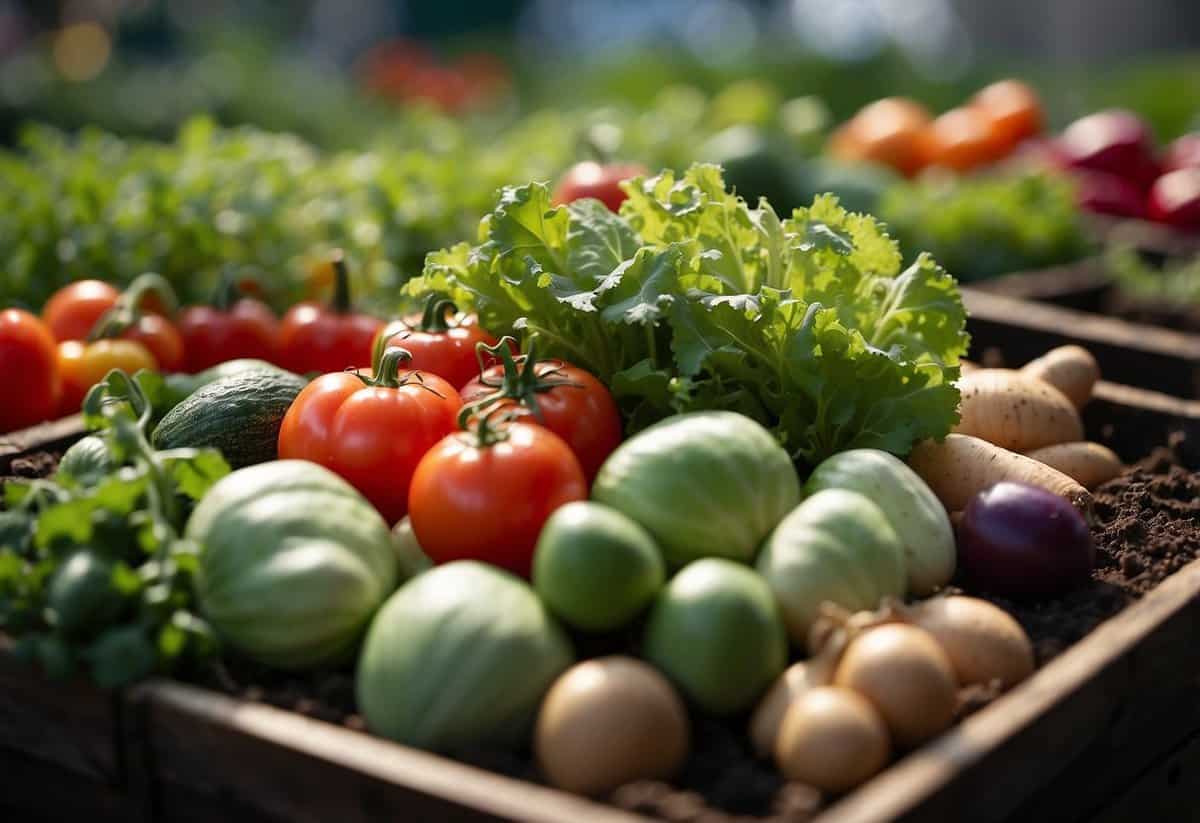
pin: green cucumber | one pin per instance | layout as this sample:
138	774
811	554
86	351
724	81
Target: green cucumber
180	386
240	416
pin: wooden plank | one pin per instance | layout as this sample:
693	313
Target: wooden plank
39	791
259	762
1167	792
68	723
44	435
1082	286
983	768
1130	353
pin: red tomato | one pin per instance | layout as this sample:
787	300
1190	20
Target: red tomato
444	346
961	139
73	310
161	338
83	365
590	179
1013	110
486	497
211	335
330	338
571	402
1175	199
373	436
28	371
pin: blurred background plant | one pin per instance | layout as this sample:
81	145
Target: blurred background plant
186	135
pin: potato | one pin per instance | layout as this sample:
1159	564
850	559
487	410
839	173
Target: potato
1070	369
1090	464
1015	411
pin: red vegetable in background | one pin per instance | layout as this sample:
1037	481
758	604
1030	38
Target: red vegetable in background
73	310
28	371
233	327
140	314
1104	193
1183	153
1175	199
1018	540
565	399
373	431
330	338
439	344
1112	141
485	494
591	179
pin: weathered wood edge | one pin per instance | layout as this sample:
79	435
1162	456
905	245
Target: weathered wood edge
364	754
902	788
43	435
1083	326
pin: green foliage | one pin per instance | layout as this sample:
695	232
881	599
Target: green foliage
1176	282
980	227
94	577
690	299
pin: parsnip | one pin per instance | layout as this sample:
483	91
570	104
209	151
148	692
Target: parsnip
961	466
1015	411
1090	464
1070	369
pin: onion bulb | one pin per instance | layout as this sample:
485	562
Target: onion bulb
903	672
982	641
831	739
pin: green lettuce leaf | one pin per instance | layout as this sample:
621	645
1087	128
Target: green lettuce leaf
691	299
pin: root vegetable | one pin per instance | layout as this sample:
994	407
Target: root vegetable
768	716
1016	411
1089	464
609	721
961	466
983	642
903	672
832	739
1070	369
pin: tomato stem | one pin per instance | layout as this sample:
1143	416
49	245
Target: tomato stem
228	290
130	306
523	378
486	432
433	319
341	282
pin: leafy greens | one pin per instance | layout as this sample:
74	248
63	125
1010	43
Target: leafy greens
691	299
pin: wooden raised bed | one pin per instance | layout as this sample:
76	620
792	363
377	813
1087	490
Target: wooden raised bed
1105	726
1130	353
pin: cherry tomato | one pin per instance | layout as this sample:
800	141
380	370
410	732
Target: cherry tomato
591	179
438	344
28	371
1013	110
83	365
330	338
961	139
161	338
73	310
888	132
248	328
570	402
373	436
484	495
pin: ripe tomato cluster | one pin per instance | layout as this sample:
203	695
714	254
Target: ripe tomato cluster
476	455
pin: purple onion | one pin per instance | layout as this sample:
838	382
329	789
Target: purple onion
1019	540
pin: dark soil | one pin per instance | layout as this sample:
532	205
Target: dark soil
1146	526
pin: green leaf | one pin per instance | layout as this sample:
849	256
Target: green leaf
122	655
197	474
648	286
69	522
